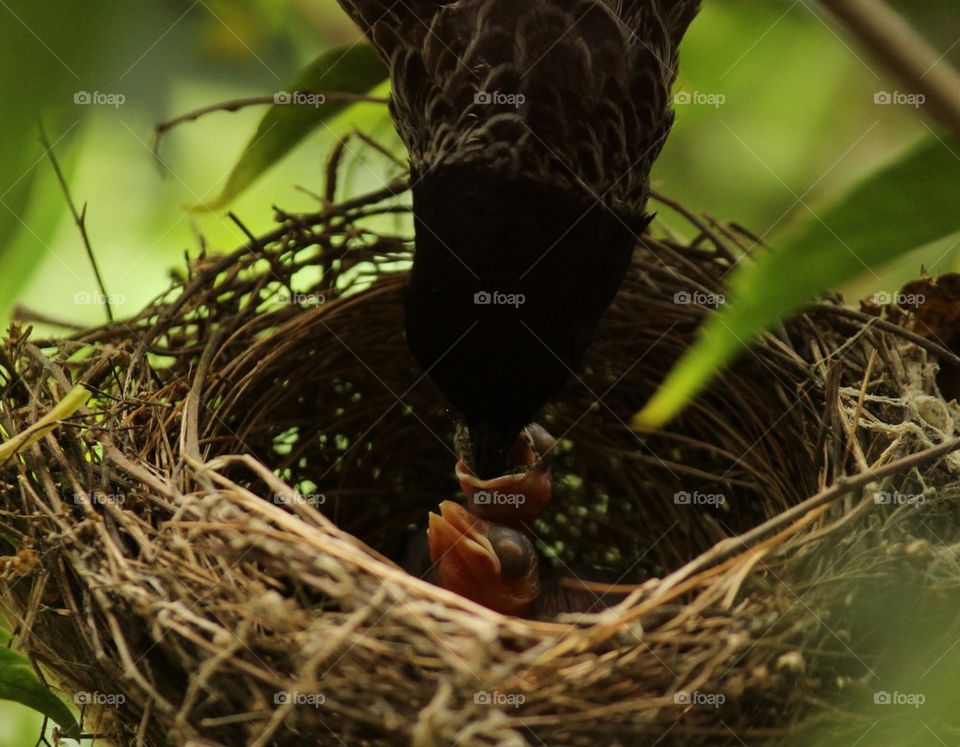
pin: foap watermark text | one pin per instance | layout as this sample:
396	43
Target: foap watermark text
699	98
496	298
496	498
497	698
696	498
299	98
499	98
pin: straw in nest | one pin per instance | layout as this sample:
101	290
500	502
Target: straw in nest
211	534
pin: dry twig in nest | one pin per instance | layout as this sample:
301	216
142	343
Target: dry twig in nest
211	534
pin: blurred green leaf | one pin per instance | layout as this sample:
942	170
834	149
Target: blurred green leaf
19	684
38	222
356	69
359	163
901	207
45	49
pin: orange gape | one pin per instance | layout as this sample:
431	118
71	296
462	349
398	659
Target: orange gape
516	497
493	565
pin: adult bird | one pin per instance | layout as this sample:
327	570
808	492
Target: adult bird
531	127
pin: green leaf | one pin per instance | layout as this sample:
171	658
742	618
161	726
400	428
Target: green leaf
356	70
19	684
901	207
43	87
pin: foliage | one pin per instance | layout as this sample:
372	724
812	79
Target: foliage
19	684
902	207
354	70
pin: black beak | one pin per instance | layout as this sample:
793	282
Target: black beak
490	449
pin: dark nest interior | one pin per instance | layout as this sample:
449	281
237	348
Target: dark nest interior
215	528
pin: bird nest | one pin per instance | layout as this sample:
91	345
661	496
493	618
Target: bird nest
205	550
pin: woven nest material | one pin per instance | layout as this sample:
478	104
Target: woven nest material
211	535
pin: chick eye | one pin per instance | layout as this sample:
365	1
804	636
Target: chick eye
515	553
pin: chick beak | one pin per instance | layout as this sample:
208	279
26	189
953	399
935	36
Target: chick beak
459	549
516	497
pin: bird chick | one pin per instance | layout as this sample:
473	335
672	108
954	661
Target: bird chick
498	567
493	565
520	495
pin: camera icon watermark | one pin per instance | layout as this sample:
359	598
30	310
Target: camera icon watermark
498	98
699	298
497	698
898	98
99	98
496	298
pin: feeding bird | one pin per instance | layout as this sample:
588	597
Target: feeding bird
531	128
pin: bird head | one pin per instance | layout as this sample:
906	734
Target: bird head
492	565
521	487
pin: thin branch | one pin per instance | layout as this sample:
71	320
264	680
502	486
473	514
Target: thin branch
235	105
906	54
23	313
861	319
732	546
80	218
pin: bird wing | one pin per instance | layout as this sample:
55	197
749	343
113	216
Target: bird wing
572	92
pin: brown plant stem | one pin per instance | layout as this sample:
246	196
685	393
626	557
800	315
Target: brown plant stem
906	54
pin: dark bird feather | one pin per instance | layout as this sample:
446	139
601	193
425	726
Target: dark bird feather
531	128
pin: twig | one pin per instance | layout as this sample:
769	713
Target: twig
905	53
943	353
22	313
79	218
381	149
189	433
734	545
237	104
254	241
333	169
721	247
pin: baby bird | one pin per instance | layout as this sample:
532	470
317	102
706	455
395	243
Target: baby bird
493	565
516	497
498	567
